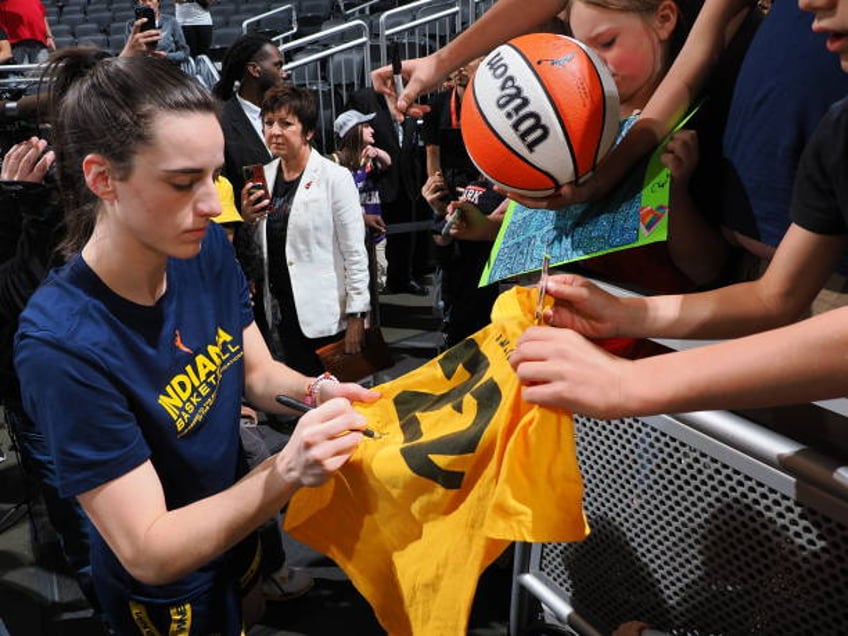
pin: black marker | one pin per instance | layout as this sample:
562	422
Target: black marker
397	69
303	407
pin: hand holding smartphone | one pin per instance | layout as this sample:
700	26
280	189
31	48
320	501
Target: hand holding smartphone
254	178
255	175
149	16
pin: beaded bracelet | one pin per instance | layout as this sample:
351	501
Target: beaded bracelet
314	387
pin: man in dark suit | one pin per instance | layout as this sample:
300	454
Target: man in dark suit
399	185
257	64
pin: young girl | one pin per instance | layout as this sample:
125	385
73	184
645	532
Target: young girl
355	150
716	24
133	357
637	40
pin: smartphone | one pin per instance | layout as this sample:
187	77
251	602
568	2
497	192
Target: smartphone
149	23
254	174
148	14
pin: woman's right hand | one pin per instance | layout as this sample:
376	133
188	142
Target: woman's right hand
254	203
581	305
321	443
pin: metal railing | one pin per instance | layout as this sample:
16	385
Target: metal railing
702	523
415	34
278	12
334	62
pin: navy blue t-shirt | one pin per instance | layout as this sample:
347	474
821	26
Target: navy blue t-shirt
786	83
112	384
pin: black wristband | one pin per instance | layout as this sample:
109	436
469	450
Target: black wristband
357	314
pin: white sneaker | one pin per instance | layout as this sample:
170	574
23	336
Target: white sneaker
286	583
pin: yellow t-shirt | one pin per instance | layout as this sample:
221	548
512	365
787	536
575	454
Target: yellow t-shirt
463	468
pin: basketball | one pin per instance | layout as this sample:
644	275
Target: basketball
541	111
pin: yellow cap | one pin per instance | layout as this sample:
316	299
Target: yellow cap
229	213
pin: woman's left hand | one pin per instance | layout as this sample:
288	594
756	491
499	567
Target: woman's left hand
355	335
559	368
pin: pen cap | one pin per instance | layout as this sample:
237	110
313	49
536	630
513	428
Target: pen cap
394	57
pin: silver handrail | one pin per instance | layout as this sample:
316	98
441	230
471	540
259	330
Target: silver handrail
282	9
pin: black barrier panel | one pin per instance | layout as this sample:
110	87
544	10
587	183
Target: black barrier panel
693	536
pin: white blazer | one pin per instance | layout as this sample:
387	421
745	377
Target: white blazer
325	247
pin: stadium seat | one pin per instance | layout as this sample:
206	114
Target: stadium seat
74	5
123	15
116	30
73	17
61	30
346	68
341	36
253	7
87	29
221	13
236	18
101	18
312	12
64	41
222	39
97	39
116	42
273	25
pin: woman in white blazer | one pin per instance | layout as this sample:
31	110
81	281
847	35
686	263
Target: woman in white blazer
307	223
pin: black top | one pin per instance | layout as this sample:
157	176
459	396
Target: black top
276	231
441	128
820	197
30	229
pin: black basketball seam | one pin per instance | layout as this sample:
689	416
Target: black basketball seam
562	126
506	146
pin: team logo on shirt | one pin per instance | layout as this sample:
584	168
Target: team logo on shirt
190	394
178	342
